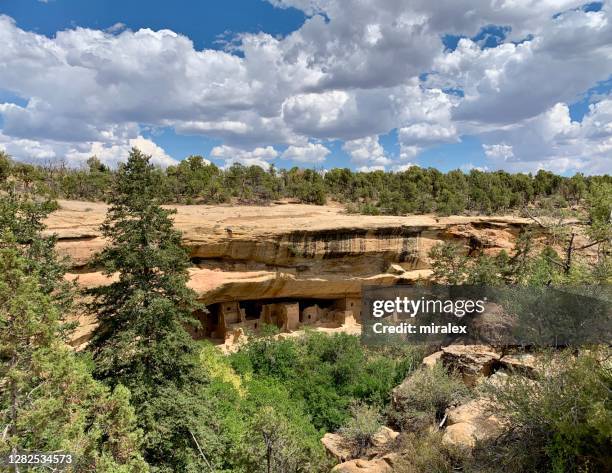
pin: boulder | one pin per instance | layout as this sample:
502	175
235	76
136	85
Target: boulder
472	361
395	268
337	446
497	379
523	363
378	465
384	436
431	360
461	435
471	422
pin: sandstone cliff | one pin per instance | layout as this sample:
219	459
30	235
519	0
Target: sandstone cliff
290	250
317	256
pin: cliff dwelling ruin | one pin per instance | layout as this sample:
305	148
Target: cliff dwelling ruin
290	265
224	319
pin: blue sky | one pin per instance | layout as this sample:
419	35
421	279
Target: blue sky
320	84
201	21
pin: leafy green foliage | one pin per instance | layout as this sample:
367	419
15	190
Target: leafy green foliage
21	221
328	373
449	263
415	190
526	266
278	435
260	424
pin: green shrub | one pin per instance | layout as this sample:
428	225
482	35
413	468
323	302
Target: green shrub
424	396
328	373
561	421
359	430
425	453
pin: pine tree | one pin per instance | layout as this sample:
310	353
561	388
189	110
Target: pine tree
49	400
142	341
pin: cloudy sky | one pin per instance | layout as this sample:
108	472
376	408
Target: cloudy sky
369	84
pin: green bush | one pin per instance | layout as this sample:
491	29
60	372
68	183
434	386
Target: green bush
328	373
359	430
561	421
424	396
425	453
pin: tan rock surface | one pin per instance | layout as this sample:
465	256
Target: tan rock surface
288	251
384	436
471	422
432	360
472	361
523	363
214	285
336	446
292	233
462	435
378	465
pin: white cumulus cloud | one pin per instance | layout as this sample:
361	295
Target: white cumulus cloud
310	153
355	70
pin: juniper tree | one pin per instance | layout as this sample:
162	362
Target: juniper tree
142	341
22	216
49	400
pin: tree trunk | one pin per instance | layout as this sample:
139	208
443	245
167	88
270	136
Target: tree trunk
568	258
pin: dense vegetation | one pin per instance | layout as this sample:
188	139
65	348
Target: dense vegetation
561	417
416	190
146	397
328	374
49	400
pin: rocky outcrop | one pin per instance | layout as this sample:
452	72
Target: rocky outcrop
292	242
376	459
383	437
340	448
471	361
432	360
471	423
291	251
461	435
522	363
378	465
337	447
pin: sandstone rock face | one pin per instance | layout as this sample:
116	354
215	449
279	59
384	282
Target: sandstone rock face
472	422
247	253
523	363
337	446
472	361
432	360
384	436
378	465
460	435
340	449
395	269
293	234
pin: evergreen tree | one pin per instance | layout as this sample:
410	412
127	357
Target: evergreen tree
449	263
22	217
48	399
142	341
